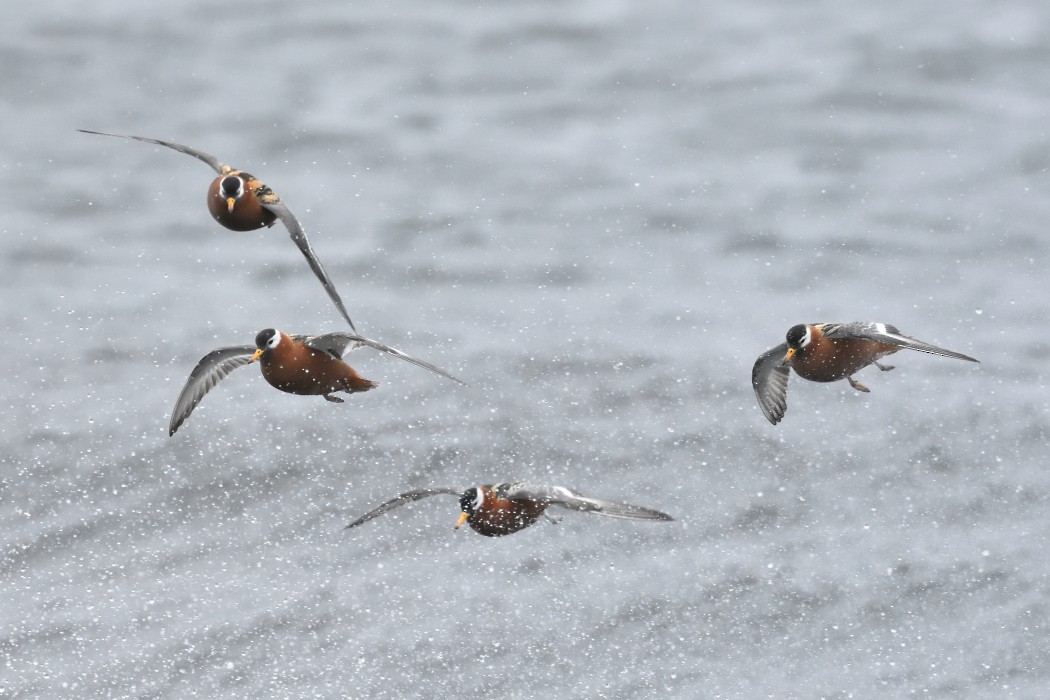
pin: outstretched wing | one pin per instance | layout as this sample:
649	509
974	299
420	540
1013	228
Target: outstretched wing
208	158
559	495
274	204
769	377
338	344
211	370
407	497
885	333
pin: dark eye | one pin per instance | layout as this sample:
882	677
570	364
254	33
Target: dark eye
267	338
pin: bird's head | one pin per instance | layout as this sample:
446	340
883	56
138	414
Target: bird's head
265	342
231	188
469	504
798	337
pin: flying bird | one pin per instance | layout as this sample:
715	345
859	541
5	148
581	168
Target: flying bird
310	365
241	202
827	352
494	510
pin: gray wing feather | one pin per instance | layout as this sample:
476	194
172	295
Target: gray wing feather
561	496
885	333
403	499
338	344
208	158
298	234
212	369
769	377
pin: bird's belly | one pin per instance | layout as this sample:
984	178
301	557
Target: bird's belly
247	214
847	358
505	521
311	381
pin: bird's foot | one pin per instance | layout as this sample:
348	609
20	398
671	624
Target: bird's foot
333	399
884	368
857	385
554	519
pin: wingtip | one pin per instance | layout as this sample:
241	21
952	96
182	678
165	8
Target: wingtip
175	423
771	415
359	521
959	356
652	515
446	375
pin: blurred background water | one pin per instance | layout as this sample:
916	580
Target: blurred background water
598	214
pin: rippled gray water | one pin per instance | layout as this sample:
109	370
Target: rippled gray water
598	214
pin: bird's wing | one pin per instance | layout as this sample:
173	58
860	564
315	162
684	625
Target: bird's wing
274	204
407	497
559	495
769	377
217	165
338	344
211	370
885	333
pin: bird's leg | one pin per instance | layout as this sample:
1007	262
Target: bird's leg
857	385
333	399
884	368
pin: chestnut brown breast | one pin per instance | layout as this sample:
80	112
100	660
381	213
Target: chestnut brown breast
247	215
298	369
831	360
502	516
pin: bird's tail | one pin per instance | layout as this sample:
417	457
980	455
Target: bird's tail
355	383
